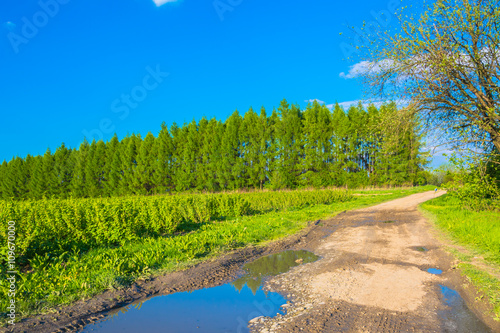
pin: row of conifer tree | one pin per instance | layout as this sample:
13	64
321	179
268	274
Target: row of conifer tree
289	148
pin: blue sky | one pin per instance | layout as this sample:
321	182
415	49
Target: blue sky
91	68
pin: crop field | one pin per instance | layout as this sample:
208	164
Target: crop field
76	248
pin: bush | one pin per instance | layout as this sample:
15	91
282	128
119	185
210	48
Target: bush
475	191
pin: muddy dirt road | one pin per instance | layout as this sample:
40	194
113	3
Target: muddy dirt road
373	278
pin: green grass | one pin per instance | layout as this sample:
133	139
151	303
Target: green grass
479	233
479	230
73	275
487	284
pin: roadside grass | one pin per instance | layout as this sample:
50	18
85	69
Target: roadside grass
74	275
479	234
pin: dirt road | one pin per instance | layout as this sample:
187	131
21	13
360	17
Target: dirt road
373	278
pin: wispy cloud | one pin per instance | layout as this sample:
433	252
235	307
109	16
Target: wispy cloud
9	25
162	2
314	100
348	104
365	103
366	67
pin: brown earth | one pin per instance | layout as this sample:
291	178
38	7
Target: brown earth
371	278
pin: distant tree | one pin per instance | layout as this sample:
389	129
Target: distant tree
63	170
340	128
317	145
288	137
216	164
231	163
179	168
205	176
14	179
36	185
164	151
130	148
187	146
77	186
94	169
3	175
263	156
250	140
143	182
43	180
112	167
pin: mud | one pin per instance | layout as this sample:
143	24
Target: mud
372	277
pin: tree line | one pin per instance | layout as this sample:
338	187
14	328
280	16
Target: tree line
290	148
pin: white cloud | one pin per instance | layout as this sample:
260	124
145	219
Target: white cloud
314	100
9	25
366	103
366	67
162	2
347	105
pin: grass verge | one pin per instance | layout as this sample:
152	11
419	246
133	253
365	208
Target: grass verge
479	234
54	281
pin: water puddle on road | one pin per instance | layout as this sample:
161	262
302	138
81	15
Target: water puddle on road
434	271
226	308
458	317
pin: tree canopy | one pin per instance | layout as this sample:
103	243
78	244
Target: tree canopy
443	62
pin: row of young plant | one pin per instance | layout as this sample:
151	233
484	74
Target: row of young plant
58	225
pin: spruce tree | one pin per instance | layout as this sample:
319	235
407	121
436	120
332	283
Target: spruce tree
143	182
14	179
263	156
288	133
77	186
63	170
249	136
215	164
340	129
232	165
317	145
3	174
164	151
94	169
131	146
112	167
206	133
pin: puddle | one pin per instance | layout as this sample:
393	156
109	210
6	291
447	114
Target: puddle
435	271
389	221
458	317
272	265
421	249
226	308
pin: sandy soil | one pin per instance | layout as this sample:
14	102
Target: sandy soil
371	278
